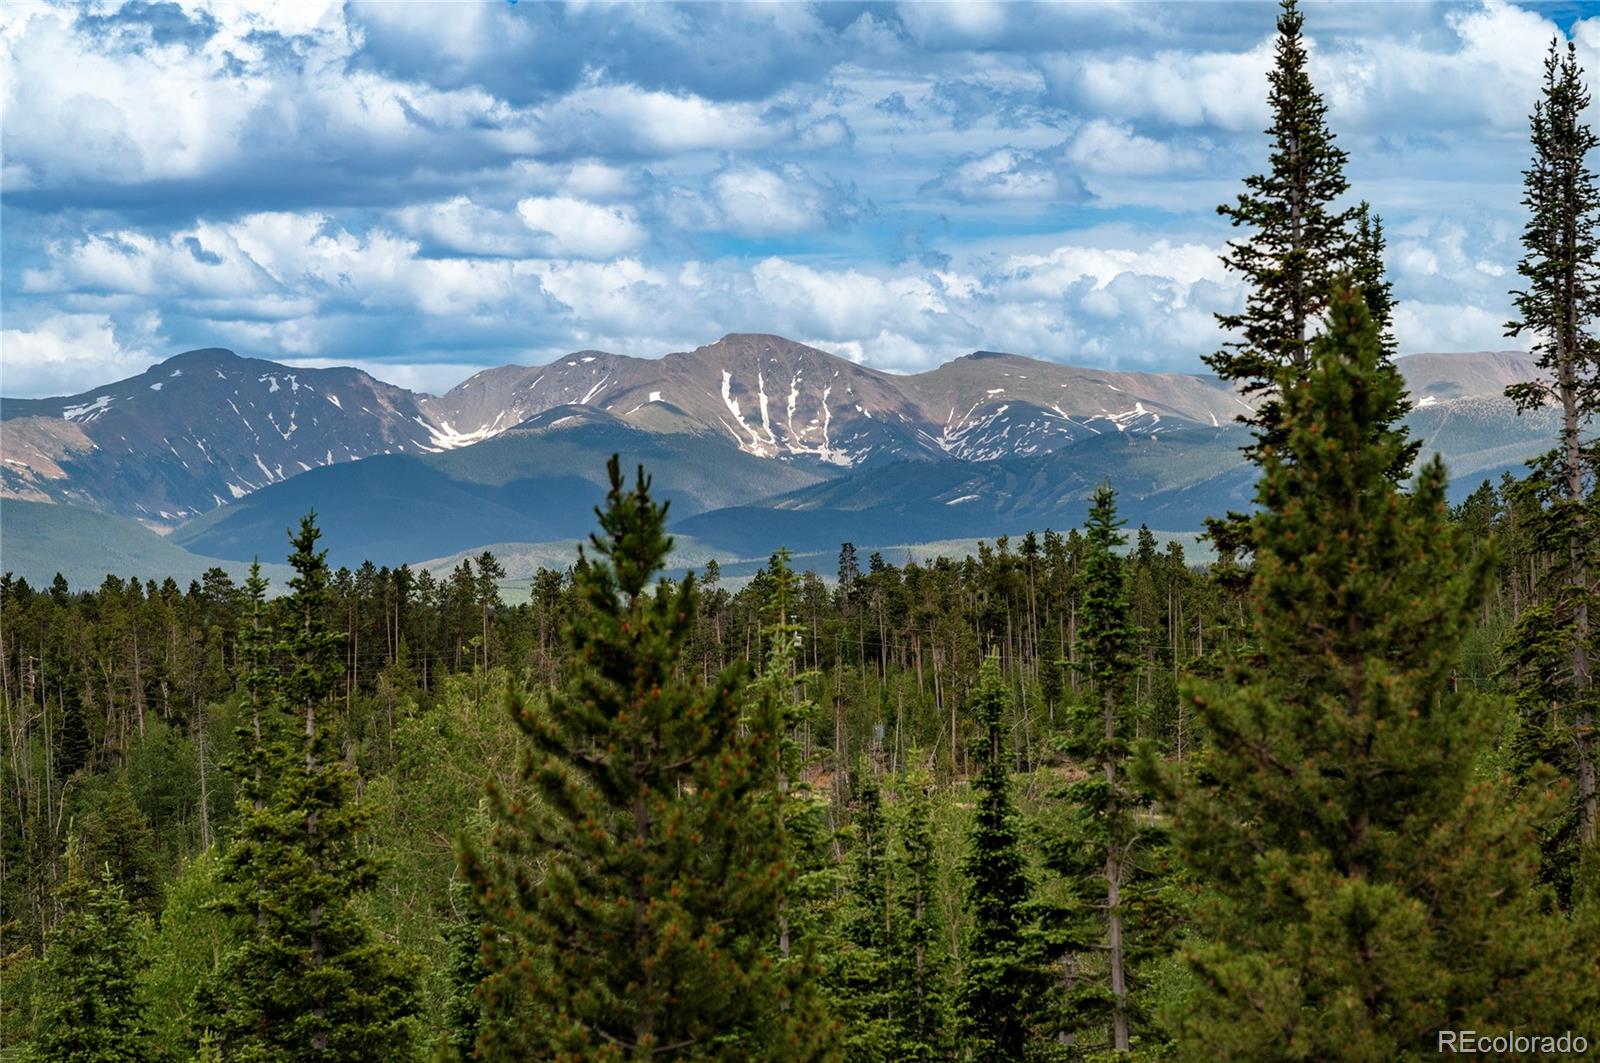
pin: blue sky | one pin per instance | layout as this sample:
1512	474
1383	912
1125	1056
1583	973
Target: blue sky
424	189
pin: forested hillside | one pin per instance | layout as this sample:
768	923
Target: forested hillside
1330	795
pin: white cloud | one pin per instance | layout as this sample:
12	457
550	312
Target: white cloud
572	227
67	353
459	224
594	180
75	112
359	196
1422	326
843	303
965	22
1009	174
1114	149
627	119
615	299
761	202
1225	90
1479	69
84	107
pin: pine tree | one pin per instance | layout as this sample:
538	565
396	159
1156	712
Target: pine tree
118	837
310	980
1299	241
1558	309
74	746
487	587
1001	977
463	1007
869	884
860	968
1368	276
1105	831
635	901
90	1012
1365	887
256	740
918	963
776	694
1298	238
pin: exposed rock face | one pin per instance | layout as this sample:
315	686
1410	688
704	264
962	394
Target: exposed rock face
207	427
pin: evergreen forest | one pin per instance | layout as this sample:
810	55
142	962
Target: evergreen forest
1320	796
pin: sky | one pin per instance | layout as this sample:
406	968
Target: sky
423	189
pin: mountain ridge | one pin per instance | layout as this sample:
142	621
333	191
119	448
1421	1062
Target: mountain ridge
205	428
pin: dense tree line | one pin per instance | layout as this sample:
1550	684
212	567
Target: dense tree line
1318	794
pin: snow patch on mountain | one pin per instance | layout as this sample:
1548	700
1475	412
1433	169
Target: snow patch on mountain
88	411
444	437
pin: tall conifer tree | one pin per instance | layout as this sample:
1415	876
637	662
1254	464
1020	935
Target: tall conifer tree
257	741
635	903
918	963
1369	277
118	838
310	980
1557	309
1365	887
862	965
1297	237
1001	977
1099	858
90	1012
1298	241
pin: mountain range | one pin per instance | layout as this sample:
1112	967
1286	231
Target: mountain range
758	440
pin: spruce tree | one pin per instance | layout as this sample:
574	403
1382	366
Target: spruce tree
90	1012
1001	977
860	969
310	980
1368	275
1297	237
463	1006
1365	885
257	739
1098	853
634	902
918	963
74	748
775	694
1557	308
118	837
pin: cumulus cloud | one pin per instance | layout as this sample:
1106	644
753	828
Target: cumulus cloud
572	227
87	108
1115	150
757	201
761	202
438	184
66	353
300	285
624	120
1010	174
462	226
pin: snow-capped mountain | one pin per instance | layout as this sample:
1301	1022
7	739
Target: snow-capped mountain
205	428
199	430
775	398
